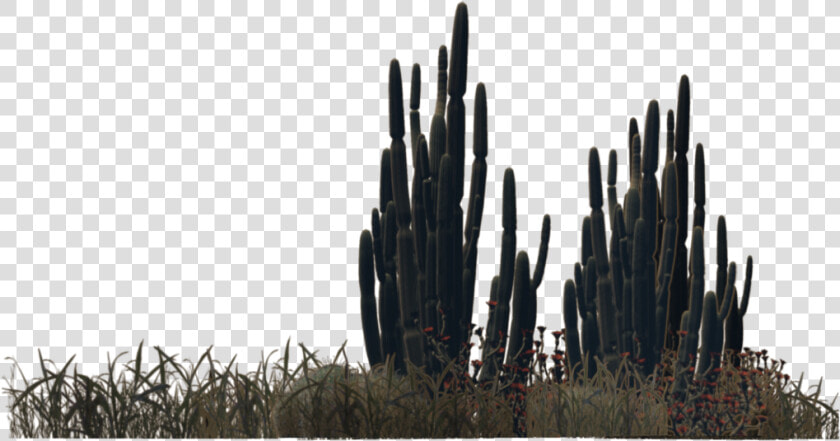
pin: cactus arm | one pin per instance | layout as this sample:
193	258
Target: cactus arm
478	181
745	301
586	239
580	292
612	170
722	259
632	132
487	354
733	329
572	338
367	287
539	270
418	208
699	187
414	114
709	323
521	288
376	228
443	65
385	191
669	138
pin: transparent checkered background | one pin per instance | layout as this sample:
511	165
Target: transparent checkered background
197	173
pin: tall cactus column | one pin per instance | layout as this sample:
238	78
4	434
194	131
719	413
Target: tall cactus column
678	298
409	300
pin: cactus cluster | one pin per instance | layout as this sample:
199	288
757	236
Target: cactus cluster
644	298
638	295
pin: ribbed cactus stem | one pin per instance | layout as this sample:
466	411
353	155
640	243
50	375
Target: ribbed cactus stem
443	65
572	337
455	111
409	298
539	270
699	187
506	269
612	171
608	324
669	236
447	271
632	132
418	206
704	360
367	288
722	259
414	114
520	314
679	277
669	138
376	229
385	192
591	338
586	240
650	159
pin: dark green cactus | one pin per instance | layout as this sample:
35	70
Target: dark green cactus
650	162
643	295
632	296
475	208
669	236
508	254
695	312
712	347
669	137
409	298
368	306
612	171
735	322
722	259
414	113
522	320
699	187
678	291
572	338
447	271
617	273
607	321
586	240
376	228
590	335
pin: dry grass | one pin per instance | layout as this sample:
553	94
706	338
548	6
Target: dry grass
332	400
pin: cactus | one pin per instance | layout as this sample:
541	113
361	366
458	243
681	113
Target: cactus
734	325
631	293
713	326
720	282
572	339
368	306
508	252
608	324
677	300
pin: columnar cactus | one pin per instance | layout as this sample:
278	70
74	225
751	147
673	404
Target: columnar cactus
631	293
